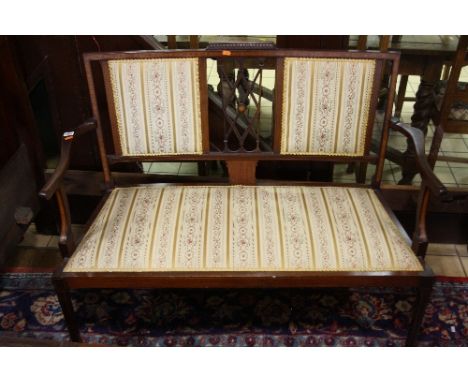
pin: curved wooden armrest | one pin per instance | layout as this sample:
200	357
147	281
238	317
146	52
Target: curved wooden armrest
416	136
67	140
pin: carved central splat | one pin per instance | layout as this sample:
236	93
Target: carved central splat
241	104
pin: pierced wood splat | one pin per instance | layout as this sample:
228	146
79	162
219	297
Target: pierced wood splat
241	104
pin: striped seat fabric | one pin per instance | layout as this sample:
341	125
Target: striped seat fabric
326	106
157	106
242	228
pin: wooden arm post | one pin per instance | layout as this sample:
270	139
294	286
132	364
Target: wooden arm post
430	184
54	186
416	137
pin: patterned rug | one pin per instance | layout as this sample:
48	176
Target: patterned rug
356	317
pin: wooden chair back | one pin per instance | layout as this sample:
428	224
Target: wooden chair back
455	94
315	95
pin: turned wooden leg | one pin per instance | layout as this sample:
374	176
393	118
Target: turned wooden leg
424	293
64	297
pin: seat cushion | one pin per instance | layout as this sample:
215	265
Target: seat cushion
243	228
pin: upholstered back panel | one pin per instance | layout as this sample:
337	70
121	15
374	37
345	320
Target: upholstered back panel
326	106
157	106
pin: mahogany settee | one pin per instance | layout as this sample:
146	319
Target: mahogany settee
243	233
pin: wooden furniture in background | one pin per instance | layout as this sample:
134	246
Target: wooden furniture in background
452	112
21	174
40	75
424	56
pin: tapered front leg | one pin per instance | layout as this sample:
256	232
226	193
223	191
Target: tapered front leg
64	297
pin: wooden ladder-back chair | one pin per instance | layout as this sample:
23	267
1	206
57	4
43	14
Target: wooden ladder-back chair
450	111
451	104
242	233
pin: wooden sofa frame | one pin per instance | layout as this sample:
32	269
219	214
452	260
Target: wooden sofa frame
241	168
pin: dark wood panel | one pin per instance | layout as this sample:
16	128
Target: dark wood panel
16	117
334	42
17	189
8	137
56	62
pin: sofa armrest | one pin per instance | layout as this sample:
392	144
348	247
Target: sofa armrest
68	137
416	137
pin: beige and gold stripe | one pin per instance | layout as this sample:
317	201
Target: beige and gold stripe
243	228
157	106
326	106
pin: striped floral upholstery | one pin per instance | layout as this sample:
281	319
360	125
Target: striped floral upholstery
242	228
326	106
157	106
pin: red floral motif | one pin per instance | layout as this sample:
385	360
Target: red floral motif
243	229
349	107
165	221
191	236
300	85
270	236
157	93
138	235
217	216
8	321
295	237
47	310
11	321
183	100
134	102
118	212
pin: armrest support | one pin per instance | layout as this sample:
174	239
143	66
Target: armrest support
67	141
417	139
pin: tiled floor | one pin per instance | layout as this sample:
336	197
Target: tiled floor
448	260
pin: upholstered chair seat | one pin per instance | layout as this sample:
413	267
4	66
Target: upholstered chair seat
243	228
